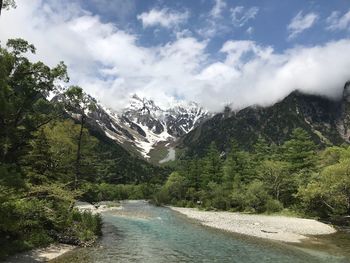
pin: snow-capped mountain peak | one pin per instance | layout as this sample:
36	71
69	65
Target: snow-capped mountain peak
142	124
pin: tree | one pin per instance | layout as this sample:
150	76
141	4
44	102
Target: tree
195	172
276	177
328	192
36	208
176	186
300	151
216	197
62	137
6	4
262	150
39	162
78	103
333	155
236	166
256	196
23	106
212	166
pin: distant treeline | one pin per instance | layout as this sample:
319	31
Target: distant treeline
293	178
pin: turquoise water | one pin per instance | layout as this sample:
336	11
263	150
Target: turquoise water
145	233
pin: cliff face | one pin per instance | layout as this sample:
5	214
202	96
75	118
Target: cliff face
327	121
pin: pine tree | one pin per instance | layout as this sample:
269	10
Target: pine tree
237	167
39	161
195	173
262	150
300	151
212	166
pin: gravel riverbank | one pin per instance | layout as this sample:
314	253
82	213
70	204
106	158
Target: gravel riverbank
279	228
41	254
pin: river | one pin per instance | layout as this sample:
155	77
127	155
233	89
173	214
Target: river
144	233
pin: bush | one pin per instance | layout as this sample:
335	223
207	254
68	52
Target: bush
190	204
111	192
256	196
237	200
88	227
273	206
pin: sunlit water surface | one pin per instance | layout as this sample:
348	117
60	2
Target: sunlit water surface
145	233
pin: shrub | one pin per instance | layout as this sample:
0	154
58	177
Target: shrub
256	196
273	206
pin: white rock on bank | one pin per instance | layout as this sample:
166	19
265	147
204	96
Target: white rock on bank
82	206
42	254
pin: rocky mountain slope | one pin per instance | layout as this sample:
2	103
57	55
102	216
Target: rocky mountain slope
142	125
327	121
149	131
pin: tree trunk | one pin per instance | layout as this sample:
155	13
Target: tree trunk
328	205
78	159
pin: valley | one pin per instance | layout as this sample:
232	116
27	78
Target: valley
174	131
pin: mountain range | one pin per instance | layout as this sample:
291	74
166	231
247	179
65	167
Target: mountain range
327	122
143	128
154	133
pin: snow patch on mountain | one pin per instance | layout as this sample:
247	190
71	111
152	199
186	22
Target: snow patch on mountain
142	124
148	124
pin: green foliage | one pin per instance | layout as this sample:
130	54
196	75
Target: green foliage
290	179
23	88
256	197
262	150
328	192
216	197
277	178
273	206
300	150
83	227
47	161
212	166
93	192
77	102
236	167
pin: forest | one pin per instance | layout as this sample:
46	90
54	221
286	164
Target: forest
48	160
295	178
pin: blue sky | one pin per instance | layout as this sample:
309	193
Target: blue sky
268	25
216	52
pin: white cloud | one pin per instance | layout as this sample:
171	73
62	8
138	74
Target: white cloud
212	27
300	23
241	15
250	30
337	22
163	17
110	64
253	74
217	9
214	23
